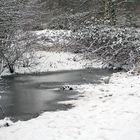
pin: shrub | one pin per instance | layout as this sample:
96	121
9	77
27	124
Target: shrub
117	47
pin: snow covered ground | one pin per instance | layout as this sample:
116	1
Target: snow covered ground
106	112
55	61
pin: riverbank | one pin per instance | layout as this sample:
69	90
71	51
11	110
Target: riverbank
44	61
105	111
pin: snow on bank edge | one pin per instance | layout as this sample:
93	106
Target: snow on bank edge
55	61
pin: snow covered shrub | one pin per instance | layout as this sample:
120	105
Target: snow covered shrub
59	22
13	49
71	21
6	122
116	47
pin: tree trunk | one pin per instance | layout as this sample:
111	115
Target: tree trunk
11	68
2	63
110	12
113	13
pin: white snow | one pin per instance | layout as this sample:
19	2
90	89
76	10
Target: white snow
106	112
52	33
51	37
55	61
5	122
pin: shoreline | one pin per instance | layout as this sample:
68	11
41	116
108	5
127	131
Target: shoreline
55	61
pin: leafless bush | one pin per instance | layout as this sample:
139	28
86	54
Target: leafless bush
14	47
116	47
16	18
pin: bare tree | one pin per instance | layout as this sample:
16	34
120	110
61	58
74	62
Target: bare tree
17	16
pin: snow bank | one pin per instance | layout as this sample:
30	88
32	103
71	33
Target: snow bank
53	61
106	112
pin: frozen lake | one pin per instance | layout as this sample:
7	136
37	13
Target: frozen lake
26	96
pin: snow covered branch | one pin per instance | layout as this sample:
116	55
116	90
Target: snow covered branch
115	46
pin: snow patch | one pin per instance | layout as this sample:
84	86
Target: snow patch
53	61
5	122
50	37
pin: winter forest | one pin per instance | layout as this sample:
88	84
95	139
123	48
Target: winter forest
69	69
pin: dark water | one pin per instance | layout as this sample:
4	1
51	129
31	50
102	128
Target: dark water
26	96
